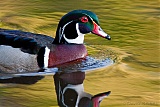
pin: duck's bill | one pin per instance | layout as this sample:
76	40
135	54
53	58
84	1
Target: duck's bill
98	31
96	99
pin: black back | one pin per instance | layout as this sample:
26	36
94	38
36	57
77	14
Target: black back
28	42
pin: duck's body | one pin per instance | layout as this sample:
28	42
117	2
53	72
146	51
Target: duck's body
25	52
13	58
19	60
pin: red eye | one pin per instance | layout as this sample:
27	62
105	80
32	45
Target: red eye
84	19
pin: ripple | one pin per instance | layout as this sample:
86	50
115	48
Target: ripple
88	64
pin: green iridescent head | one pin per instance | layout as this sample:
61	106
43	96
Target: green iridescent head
75	24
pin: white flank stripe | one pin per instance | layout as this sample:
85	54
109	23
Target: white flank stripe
46	57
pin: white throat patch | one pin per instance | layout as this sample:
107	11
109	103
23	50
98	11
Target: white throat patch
79	90
79	39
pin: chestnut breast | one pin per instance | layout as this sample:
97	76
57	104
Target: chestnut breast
60	54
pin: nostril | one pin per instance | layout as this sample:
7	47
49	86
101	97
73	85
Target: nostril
100	29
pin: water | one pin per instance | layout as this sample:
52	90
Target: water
69	76
134	29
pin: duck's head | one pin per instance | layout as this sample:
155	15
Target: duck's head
75	24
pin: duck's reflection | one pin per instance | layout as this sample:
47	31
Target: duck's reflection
22	80
70	91
68	79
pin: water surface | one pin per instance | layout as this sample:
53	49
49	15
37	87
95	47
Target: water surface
134	28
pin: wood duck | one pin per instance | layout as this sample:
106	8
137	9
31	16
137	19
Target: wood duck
24	52
70	91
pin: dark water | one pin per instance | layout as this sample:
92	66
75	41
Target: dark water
134	28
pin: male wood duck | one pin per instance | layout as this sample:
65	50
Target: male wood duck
24	52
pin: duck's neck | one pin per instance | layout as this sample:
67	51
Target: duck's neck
69	34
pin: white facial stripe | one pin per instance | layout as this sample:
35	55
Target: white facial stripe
46	57
60	35
79	39
88	16
61	30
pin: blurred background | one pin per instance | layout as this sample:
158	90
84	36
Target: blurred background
135	31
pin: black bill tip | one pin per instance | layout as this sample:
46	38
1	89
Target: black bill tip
108	37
